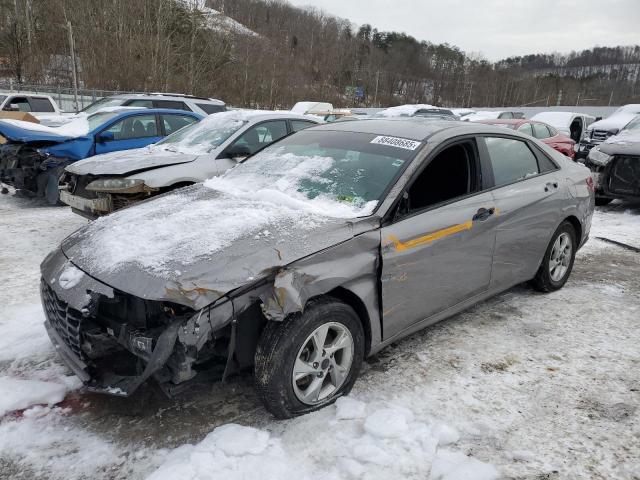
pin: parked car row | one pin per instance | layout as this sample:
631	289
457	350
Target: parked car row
328	243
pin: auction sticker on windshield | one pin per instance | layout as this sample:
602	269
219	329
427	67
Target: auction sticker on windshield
396	142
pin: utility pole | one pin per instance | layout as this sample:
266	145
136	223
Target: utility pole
611	98
73	67
375	95
578	100
559	100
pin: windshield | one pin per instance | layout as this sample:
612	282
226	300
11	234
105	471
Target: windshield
341	174
98	119
633	125
201	138
102	103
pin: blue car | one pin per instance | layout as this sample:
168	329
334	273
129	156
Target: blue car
34	156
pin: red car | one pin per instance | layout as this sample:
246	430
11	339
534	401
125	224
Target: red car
539	130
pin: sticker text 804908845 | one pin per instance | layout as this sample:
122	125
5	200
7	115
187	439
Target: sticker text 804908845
396	142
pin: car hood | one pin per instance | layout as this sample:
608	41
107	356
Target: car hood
196	244
623	144
19	131
129	161
614	122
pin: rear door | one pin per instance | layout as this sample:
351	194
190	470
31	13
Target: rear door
528	195
133	131
437	251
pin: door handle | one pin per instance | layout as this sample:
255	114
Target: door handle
550	185
484	213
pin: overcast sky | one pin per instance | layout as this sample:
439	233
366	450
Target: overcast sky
499	28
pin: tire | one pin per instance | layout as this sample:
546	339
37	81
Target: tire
548	278
602	201
282	344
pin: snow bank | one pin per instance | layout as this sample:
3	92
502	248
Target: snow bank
347	443
42	441
17	394
615	225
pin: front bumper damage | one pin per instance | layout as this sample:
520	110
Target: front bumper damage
24	167
91	204
114	343
619	178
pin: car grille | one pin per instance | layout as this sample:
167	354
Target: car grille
600	135
624	177
66	320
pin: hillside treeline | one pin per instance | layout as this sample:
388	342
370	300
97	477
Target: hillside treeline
295	54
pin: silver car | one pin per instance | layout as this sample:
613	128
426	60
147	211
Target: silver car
315	253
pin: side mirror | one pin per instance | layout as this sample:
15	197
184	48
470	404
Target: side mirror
238	152
106	137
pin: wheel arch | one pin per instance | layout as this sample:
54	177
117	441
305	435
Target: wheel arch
354	301
575	223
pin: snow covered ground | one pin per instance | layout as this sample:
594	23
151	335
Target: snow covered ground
523	386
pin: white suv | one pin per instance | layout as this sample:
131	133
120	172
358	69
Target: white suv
176	101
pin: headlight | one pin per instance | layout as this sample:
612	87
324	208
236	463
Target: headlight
598	157
118	185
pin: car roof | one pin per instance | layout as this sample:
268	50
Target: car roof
257	116
134	111
173	96
413	128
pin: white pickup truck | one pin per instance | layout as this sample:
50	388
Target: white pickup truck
43	107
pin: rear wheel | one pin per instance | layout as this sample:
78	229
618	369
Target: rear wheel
310	359
558	260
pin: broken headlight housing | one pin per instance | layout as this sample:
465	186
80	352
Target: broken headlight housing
118	185
598	157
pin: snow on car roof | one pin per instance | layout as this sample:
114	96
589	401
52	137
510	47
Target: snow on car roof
405	110
556	119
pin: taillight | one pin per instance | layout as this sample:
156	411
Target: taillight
590	184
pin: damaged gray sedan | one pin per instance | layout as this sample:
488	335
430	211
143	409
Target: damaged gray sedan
316	253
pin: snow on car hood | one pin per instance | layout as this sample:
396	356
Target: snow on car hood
129	161
199	239
19	130
613	122
625	143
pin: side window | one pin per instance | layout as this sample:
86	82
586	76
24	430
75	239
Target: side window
511	160
41	105
176	122
450	174
21	102
526	128
209	109
139	126
140	103
258	137
174	104
540	131
297	125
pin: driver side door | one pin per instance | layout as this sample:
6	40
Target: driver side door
135	131
438	251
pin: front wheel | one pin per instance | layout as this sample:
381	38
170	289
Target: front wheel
558	260
309	359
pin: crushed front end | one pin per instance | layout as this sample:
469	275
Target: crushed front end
93	196
114	341
21	166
